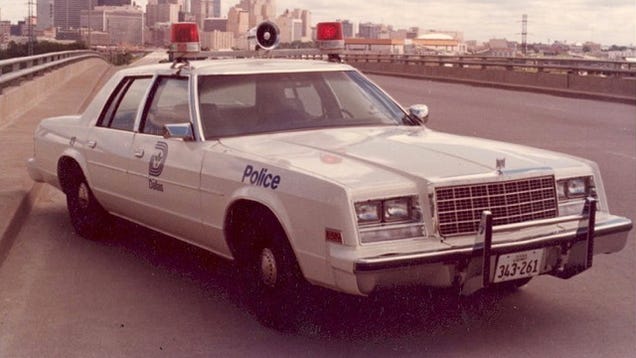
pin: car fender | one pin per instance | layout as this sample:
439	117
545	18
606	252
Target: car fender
80	159
268	199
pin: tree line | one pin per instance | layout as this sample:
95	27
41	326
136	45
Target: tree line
22	49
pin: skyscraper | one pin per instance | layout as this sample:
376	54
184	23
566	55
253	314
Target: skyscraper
66	13
201	9
45	14
124	25
113	2
216	4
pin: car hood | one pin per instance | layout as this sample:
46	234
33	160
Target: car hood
352	156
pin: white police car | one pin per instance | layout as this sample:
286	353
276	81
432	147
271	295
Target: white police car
305	171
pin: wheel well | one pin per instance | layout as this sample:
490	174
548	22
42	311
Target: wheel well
68	172
244	225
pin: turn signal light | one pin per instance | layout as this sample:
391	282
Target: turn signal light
335	236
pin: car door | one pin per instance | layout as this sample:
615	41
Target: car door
109	143
164	175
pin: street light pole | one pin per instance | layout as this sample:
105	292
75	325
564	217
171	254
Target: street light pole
88	41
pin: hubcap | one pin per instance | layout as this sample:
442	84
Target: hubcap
269	272
82	195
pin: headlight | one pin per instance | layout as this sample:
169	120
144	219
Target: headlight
369	212
397	209
389	219
575	188
572	192
385	211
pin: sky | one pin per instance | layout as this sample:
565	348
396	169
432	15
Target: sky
607	22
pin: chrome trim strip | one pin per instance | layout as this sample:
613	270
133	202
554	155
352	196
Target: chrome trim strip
384	262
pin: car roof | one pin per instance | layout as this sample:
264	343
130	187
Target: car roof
243	66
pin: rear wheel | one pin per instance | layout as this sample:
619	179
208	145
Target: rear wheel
88	217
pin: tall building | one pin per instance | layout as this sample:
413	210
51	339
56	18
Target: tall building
113	2
238	21
5	31
305	17
258	10
369	30
215	24
294	26
124	24
347	28
201	9
66	13
45	11
162	13
216	5
217	40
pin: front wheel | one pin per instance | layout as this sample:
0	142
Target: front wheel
87	215
275	281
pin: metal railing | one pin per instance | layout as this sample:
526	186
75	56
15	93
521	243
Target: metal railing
608	78
14	70
583	67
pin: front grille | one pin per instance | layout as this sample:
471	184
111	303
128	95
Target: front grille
459	207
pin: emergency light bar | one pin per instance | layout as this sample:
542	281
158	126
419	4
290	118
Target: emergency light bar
184	38
185	44
329	36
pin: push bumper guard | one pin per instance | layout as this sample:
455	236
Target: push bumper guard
576	263
579	257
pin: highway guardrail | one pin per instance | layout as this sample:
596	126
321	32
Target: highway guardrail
597	79
15	70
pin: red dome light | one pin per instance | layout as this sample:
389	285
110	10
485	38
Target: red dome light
327	31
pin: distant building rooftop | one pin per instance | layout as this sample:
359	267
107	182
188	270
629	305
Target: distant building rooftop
435	36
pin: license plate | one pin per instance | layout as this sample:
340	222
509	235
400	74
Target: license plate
518	265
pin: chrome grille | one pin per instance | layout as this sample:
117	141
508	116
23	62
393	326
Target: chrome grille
459	207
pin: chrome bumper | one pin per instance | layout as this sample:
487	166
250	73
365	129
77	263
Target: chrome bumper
450	265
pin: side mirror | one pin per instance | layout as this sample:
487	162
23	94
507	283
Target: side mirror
419	112
178	130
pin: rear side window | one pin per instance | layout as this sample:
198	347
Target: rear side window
169	104
121	110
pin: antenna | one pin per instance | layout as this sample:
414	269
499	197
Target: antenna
524	34
30	33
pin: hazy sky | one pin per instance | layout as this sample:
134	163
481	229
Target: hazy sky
605	21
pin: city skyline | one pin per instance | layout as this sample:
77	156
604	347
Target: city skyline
569	21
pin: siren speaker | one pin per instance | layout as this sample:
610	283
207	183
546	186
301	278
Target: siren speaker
267	35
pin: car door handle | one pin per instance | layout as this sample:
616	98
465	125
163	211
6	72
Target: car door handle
92	144
139	153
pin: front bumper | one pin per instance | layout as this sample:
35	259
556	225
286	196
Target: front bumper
567	253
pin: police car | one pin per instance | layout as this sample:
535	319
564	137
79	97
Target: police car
305	172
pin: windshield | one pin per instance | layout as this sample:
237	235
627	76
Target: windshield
232	105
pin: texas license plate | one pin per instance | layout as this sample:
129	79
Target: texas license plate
518	265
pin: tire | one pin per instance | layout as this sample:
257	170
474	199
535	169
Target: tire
274	280
88	217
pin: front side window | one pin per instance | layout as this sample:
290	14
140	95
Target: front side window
121	109
169	105
232	105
